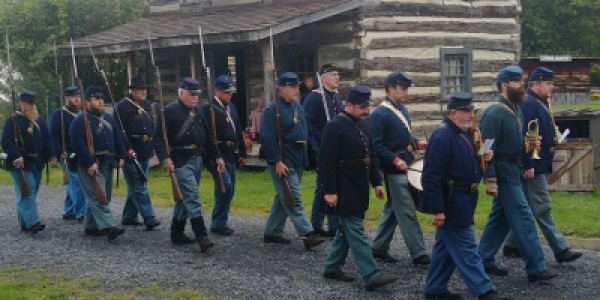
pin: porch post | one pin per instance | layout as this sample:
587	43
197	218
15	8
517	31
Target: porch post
269	84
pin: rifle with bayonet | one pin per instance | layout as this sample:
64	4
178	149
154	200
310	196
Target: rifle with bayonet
25	190
177	196
287	192
213	126
136	163
61	99
323	96
100	195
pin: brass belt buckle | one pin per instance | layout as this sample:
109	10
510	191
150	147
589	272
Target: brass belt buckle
474	186
410	148
145	138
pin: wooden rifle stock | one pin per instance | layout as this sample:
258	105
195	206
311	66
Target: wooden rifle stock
213	126
65	171
177	196
25	190
478	140
288	197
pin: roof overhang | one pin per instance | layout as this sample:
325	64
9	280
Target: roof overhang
252	23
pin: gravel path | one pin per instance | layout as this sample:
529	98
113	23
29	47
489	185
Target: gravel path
241	266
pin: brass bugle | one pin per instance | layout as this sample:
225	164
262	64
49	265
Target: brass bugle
533	131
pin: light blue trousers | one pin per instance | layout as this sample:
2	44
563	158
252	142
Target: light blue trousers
188	179
138	198
98	216
220	213
27	211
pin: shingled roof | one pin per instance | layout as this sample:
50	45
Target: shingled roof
219	25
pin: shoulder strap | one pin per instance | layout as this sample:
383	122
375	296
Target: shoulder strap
360	130
186	124
398	113
505	107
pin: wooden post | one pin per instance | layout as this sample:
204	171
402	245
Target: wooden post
130	64
269	84
193	62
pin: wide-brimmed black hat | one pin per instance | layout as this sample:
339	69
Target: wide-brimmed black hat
137	83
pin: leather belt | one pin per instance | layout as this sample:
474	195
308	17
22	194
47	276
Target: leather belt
547	149
365	161
34	155
185	147
298	144
144	137
465	185
226	143
104	153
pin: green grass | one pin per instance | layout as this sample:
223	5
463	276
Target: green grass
575	213
18	283
594	104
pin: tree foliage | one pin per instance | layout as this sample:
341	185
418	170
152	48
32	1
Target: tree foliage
556	27
34	26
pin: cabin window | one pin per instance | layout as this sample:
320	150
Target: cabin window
302	60
456	71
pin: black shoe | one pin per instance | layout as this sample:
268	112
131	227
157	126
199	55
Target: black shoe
180	238
80	219
491	295
422	260
541	276
339	275
93	232
224	231
311	240
113	232
204	243
132	223
275	239
68	217
511	252
321	232
385	257
441	296
379	282
152	224
494	270
567	256
37	228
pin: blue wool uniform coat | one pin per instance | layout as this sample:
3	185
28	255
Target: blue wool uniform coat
535	107
296	156
391	137
499	124
343	142
226	133
196	140
450	157
36	140
139	128
313	106
106	138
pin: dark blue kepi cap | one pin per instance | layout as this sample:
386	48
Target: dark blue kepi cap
288	78
399	78
225	83
93	91
189	83
71	90
510	73
541	74
460	100
28	96
360	94
327	68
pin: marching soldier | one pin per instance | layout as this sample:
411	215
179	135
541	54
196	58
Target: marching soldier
74	207
318	117
346	168
135	114
26	142
537	106
224	122
395	144
189	137
295	139
503	121
95	170
451	174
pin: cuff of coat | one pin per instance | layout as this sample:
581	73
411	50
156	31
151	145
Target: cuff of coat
491	183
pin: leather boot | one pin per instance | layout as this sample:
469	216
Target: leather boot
177	235
201	233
